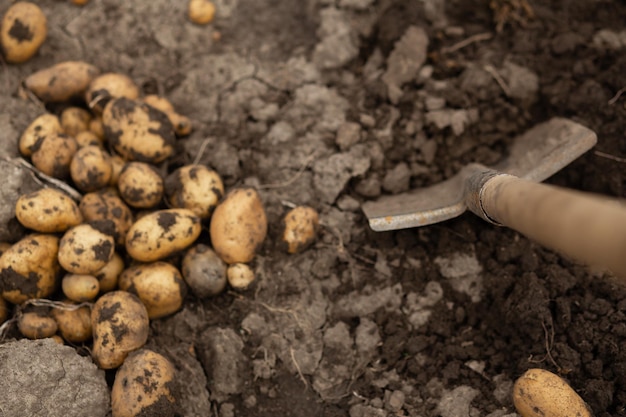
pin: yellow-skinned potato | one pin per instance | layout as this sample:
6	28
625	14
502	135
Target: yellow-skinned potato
540	393
74	325
109	86
87	248
143	386
194	187
109	275
35	325
120	325
182	124
106	204
80	288
159	285
117	165
44	125
61	82
240	276
53	155
137	131
204	271
75	120
140	185
300	227
24	29
201	12
90	168
162	233
30	269
87	138
238	226
48	211
96	127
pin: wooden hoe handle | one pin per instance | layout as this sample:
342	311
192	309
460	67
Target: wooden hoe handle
585	227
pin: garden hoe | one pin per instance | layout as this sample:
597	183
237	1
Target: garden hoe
589	228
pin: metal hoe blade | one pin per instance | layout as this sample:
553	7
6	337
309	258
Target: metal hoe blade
536	155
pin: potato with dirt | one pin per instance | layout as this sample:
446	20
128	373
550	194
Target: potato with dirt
53	155
36	324
30	268
182	124
300	226
47	210
73	322
109	86
87	248
140	185
44	125
23	30
204	271
90	168
106	204
75	120
137	131
61	82
144	386
194	187
80	288
159	285
240	276
238	226
162	233
108	276
120	325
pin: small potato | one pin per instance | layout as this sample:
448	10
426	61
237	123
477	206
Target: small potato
182	124
48	211
90	168
137	131
240	276
540	393
61	82
201	12
74	325
96	127
30	269
44	125
87	248
109	275
120	325
143	386
117	165
140	185
75	120
53	155
194	187
105	204
300	227
35	325
159	285
204	271
80	288
109	86
238	226
24	29
87	138
162	233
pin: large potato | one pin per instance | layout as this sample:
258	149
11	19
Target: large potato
44	125
88	247
120	325
162	233
194	187
105	204
204	271
143	386
74	325
24	29
159	285
137	131
238	226
48	211
61	82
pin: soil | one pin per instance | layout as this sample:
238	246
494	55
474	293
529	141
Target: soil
330	103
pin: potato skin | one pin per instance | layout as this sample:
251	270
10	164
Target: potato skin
144	386
75	120
120	325
87	248
540	393
80	288
24	29
44	125
74	325
53	155
108	86
105	204
91	168
194	187
109	275
300	227
204	271
34	325
30	268
238	226
47	211
140	185
159	234
62	81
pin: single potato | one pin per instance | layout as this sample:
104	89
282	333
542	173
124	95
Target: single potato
182	124
194	187
238	226
36	325
120	325
47	211
80	288
44	125
106	204
61	82
204	271
117	165
87	138
140	185
201	12
109	275
23	31
75	120
108	86
87	248
240	276
300	226
90	168
74	324
53	155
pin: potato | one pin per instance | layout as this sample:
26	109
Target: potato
87	248
109	275
24	29
194	187
117	165
240	276
540	393
30	269
53	155
160	234
36	325
106	204
96	127
204	271
61	82
138	132
182	124
44	125
4	246
74	325
90	168
75	120
48	211
87	138
120	325
140	185
300	227
80	288
201	12
109	86
238	226
143	386
159	285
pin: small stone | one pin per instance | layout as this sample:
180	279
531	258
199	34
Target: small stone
397	179
369	187
348	203
348	135
396	400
